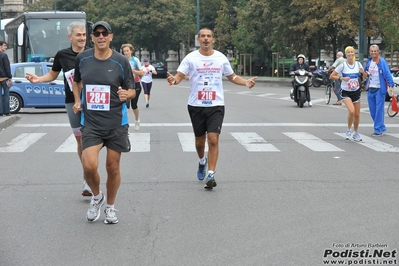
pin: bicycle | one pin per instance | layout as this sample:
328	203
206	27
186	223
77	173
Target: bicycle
327	94
390	112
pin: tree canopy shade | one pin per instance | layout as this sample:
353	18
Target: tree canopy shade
247	26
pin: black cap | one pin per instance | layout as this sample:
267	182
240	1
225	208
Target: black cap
104	24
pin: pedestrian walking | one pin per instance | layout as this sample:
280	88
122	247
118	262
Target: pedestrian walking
206	105
65	60
5	80
348	74
104	79
337	84
379	79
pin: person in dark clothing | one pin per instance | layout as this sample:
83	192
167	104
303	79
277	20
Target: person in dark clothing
300	64
65	60
5	80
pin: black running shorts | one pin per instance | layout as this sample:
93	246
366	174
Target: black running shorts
115	139
355	96
206	119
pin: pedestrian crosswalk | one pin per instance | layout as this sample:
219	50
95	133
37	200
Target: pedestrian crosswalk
250	141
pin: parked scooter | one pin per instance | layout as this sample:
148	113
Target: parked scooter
320	77
301	86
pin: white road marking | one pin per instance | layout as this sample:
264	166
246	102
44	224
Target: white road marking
140	142
266	94
253	142
187	142
312	142
69	145
373	144
22	142
344	125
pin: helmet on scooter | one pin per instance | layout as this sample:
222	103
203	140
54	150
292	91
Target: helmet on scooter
300	56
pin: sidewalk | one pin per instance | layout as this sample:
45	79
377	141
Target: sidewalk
6	121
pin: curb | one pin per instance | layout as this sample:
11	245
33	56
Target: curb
8	120
267	79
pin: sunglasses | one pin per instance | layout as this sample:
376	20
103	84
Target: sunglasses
98	33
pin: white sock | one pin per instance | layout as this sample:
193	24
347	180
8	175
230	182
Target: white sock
202	161
99	196
109	206
211	172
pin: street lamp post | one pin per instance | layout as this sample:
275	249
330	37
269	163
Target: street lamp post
361	32
198	16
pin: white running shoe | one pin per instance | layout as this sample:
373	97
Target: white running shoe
348	134
356	137
86	191
310	104
137	125
93	213
110	216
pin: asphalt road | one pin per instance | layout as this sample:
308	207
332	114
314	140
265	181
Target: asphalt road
291	190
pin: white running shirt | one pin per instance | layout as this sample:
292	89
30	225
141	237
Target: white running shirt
351	71
205	73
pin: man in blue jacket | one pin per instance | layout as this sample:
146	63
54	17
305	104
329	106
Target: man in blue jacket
379	79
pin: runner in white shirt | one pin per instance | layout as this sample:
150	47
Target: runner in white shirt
146	80
205	67
348	74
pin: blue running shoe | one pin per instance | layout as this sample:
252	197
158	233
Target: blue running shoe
210	182
202	170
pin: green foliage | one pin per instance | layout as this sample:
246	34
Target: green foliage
389	22
247	26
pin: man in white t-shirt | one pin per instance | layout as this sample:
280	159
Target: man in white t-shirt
205	67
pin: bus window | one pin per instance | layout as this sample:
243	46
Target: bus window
46	37
38	36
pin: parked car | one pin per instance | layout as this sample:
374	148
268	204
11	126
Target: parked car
160	67
25	94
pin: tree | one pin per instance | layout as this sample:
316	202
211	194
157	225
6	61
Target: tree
155	25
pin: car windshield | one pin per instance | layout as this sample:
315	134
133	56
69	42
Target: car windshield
157	64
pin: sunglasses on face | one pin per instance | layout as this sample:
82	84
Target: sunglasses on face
98	33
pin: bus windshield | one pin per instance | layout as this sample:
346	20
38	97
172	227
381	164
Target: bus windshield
46	36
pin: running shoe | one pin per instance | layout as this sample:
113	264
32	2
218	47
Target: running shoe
202	170
110	216
147	104
310	104
95	207
348	134
86	191
356	137
137	125
210	182
377	135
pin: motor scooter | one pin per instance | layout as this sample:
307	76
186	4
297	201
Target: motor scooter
301	86
320	77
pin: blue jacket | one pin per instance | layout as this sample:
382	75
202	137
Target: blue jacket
383	73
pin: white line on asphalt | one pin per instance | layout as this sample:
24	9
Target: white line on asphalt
140	142
374	144
69	145
187	142
344	125
22	142
312	142
253	142
266	94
